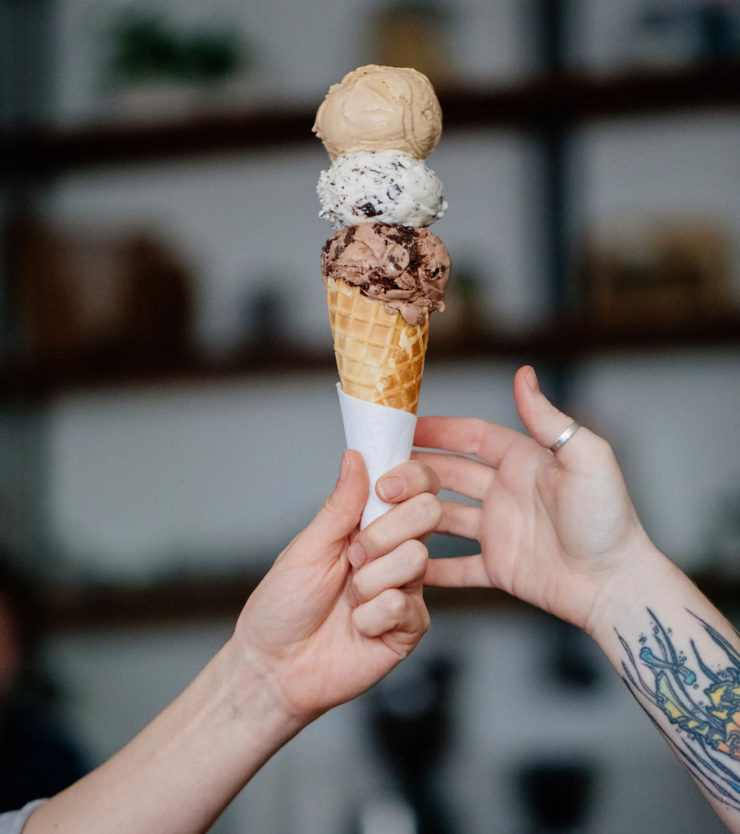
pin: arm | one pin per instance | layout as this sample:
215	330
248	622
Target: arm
680	659
316	632
559	531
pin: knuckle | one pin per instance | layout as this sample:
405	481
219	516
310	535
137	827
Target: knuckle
424	473
394	603
429	478
425	620
333	506
478	429
419	622
601	448
416	556
428	509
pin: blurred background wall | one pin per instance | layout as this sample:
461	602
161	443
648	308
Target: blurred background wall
168	414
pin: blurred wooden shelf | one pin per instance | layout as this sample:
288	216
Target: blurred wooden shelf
560	341
557	100
199	599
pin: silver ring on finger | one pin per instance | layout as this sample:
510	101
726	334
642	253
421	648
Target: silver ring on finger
565	436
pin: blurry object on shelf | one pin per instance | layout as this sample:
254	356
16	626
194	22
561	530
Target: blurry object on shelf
656	274
388	813
676	32
87	299
413	33
265	329
156	68
722	537
719	28
556	795
410	717
571	660
464	316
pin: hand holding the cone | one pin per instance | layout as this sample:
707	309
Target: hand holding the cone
337	611
340	608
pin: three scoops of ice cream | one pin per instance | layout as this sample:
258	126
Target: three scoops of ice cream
384	271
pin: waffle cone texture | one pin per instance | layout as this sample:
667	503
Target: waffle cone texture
380	357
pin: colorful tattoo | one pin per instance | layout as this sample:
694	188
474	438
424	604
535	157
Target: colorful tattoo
708	727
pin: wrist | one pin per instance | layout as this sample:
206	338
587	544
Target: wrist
255	691
625	591
255	699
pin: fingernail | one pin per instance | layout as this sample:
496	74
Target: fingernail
344	467
357	555
534	386
390	487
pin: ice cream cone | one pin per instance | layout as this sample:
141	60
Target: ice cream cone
380	357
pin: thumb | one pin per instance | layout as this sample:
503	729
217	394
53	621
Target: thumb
542	419
343	508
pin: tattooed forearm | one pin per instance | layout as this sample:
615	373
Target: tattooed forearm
700	700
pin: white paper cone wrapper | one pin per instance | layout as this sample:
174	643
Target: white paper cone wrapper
383	436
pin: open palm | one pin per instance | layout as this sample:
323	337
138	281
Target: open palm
549	526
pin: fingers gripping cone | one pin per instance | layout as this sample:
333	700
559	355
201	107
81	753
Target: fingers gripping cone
380	359
383	436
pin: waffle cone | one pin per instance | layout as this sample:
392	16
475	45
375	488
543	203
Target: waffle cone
380	357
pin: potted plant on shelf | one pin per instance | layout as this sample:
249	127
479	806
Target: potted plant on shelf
155	67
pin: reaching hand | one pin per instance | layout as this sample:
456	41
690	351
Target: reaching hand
553	528
340	608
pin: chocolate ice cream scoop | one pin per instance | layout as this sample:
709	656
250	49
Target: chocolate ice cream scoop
406	268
